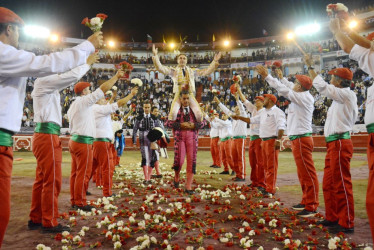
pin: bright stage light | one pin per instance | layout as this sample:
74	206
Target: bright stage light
290	35
37	31
309	29
226	43
352	24
172	45
111	44
54	38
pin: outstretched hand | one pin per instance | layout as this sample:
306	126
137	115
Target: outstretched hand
308	60
120	73
96	39
334	25
216	100
279	73
262	70
154	50
93	58
217	56
134	91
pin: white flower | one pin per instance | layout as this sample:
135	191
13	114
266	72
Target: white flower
298	242
241	230
95	21
64	241
341	7
147	216
275	248
77	239
98	225
40	247
153	240
332	244
242	197
368	248
137	81
251	233
108	234
131	219
245	224
248	244
227	202
273	223
188	200
260	248
261	221
284	230
71	219
81	233
189	248
229	217
224	240
64	248
200	248
228	235
114	88
117	245
287	241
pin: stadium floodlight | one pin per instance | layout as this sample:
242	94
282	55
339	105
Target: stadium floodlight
308	29
172	45
111	44
36	31
352	24
290	35
54	38
226	43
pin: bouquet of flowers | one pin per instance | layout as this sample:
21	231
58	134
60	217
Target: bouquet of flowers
126	67
95	23
216	92
338	10
137	82
237	79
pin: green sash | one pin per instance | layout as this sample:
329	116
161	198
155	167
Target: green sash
335	137
82	139
240	137
226	138
370	128
102	139
6	138
254	137
47	128
294	137
268	138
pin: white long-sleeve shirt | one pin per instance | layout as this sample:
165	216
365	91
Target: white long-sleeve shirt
46	96
103	120
343	111
16	65
300	111
270	120
225	128
214	127
254	128
365	59
239	128
81	116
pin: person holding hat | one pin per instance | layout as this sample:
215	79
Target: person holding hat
83	131
15	66
102	146
47	146
341	116
186	131
299	130
214	139
144	123
272	125
239	133
256	160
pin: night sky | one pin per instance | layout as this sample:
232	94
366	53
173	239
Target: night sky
240	19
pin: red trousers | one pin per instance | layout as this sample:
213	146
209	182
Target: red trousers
337	184
215	151
115	158
226	153
270	156
302	149
238	156
102	153
81	167
6	163
46	189
257	163
370	190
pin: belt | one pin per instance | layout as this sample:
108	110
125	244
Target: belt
214	137
294	137
268	138
370	128
103	139
226	138
239	137
254	137
47	128
6	138
335	137
82	139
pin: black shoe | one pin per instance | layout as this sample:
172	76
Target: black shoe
261	189
156	176
211	166
266	193
327	223
337	229
190	192
305	213
73	207
147	182
233	173
237	179
88	193
250	185
225	172
86	208
298	207
176	184
215	166
57	229
33	226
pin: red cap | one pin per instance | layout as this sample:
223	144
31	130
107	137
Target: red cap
261	98
233	89
8	16
271	97
344	73
305	81
370	37
80	86
277	64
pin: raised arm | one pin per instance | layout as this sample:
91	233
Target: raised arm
223	107
330	91
156	61
344	41
249	106
284	91
126	99
109	84
212	67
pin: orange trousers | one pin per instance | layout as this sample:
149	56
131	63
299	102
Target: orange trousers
215	151
115	158
370	190
270	156
81	167
6	163
226	153
257	163
337	184
46	189
302	149
103	158
238	156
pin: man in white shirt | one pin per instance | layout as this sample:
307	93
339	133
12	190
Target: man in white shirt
239	132
83	131
47	147
341	116
15	66
255	151
102	148
214	139
361	50
299	130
